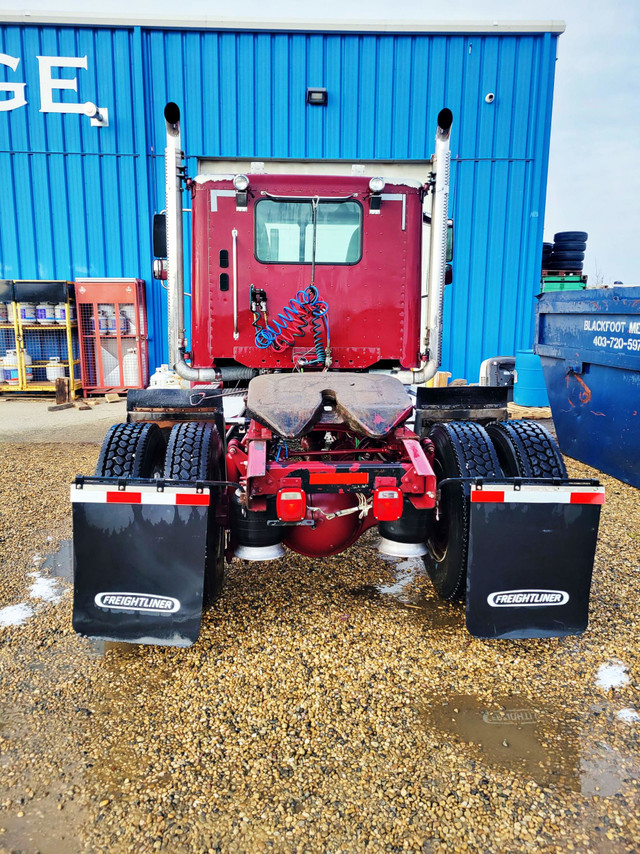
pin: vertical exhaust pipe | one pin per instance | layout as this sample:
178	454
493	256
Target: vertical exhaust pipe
432	330
433	285
174	173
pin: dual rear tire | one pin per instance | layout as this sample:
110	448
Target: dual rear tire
194	452
464	449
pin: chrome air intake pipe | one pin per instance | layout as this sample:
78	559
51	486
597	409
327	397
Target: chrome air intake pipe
174	175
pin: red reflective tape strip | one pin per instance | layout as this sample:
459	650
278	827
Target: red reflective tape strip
486	496
587	498
124	498
352	478
198	499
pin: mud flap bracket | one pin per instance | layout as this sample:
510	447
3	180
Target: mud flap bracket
531	551
139	558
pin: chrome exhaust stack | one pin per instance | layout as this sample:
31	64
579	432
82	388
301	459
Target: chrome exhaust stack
174	176
431	341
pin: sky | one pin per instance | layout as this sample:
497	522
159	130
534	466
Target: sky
594	165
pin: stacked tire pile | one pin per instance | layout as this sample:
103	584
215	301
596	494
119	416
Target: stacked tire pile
566	253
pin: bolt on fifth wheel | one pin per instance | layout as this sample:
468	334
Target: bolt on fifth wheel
300	417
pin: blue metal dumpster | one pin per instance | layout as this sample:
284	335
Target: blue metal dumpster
589	344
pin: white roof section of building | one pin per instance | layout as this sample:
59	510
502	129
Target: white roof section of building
292	25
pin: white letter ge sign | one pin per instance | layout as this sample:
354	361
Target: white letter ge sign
48	86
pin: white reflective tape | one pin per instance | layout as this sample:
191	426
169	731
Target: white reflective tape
534	494
171	496
158	498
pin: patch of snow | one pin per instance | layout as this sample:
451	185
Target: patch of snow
613	674
629	716
44	588
15	615
410	564
36	559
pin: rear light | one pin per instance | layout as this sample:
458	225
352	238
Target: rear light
291	505
387	504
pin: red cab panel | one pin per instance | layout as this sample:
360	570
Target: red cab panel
367	268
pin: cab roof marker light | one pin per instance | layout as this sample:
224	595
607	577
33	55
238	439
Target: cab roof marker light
241	183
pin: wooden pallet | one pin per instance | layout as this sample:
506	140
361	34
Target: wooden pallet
535	412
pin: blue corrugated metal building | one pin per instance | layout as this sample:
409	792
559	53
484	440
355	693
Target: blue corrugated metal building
77	199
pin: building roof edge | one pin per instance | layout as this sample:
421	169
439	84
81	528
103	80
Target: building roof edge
210	22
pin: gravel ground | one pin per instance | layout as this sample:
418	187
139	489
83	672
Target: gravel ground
328	706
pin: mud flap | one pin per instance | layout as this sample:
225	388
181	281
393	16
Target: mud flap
531	550
139	558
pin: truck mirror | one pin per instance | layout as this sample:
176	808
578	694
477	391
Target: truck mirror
448	274
449	257
160	235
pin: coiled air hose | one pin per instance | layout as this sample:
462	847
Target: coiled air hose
291	323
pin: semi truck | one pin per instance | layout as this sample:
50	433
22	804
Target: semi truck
301	415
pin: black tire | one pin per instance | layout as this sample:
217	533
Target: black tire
526	449
571	267
564	236
132	450
195	452
567	257
570	246
463	449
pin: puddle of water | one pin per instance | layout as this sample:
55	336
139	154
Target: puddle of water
98	648
44	827
15	615
511	733
406	572
528	738
600	772
60	563
406	590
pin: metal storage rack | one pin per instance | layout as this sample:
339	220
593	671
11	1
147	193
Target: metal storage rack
8	331
112	319
39	340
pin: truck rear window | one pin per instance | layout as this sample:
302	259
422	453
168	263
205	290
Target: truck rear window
284	232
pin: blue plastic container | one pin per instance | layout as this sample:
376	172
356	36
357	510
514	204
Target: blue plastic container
530	388
589	343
